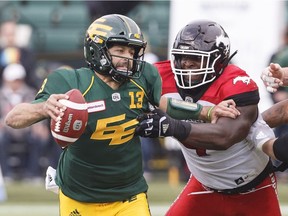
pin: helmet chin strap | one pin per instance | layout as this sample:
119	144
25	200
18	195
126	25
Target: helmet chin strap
117	77
225	63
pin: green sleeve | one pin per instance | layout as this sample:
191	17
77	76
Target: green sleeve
58	82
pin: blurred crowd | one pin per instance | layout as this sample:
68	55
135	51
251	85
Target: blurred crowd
24	153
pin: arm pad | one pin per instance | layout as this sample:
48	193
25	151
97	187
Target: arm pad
183	110
280	148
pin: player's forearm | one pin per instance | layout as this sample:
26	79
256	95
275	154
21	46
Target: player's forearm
225	133
24	115
277	148
213	136
204	141
183	110
277	114
267	148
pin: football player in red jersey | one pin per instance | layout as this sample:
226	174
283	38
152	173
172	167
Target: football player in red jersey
229	170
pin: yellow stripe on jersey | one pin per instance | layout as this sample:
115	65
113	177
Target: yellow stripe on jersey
139	87
89	87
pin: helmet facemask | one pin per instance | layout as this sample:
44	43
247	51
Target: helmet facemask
133	66
192	78
206	41
100	55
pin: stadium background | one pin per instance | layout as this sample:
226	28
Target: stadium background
55	30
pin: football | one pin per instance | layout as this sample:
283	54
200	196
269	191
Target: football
72	124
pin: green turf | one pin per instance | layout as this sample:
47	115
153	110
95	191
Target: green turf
159	192
35	199
283	193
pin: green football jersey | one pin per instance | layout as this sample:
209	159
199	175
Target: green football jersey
105	163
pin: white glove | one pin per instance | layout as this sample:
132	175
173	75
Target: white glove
50	183
268	76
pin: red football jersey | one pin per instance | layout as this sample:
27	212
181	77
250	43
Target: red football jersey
231	168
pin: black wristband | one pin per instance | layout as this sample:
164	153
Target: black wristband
182	129
280	148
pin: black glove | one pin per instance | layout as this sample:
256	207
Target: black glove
159	124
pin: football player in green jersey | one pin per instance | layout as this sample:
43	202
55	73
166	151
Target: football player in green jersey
101	173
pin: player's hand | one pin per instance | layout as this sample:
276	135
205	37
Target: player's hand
272	77
159	124
155	124
226	108
53	108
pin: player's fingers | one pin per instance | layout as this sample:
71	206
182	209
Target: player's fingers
230	112
53	116
270	79
224	110
266	72
142	127
142	117
227	103
55	99
145	116
231	102
229	106
53	109
233	111
273	80
273	85
274	66
271	89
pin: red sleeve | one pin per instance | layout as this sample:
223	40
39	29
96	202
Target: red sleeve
168	81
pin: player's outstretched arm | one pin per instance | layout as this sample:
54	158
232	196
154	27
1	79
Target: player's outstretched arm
26	114
218	136
274	76
183	110
277	114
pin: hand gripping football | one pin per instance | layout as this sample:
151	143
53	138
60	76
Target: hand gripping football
72	124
